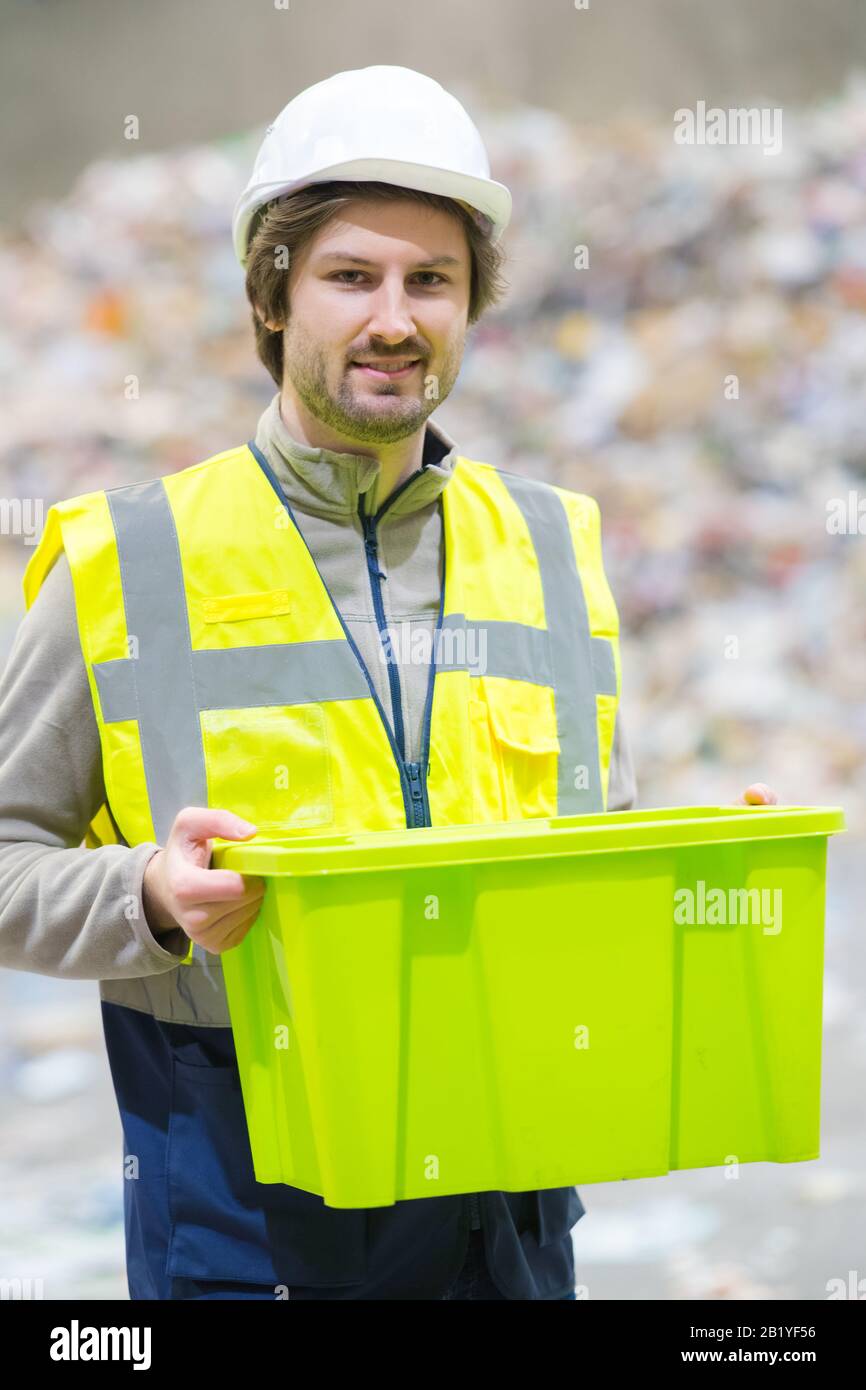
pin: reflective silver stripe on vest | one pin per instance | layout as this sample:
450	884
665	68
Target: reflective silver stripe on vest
163	694
293	673
576	661
514	650
242	677
604	666
493	649
167	683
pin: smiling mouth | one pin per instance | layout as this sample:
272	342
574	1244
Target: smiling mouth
387	371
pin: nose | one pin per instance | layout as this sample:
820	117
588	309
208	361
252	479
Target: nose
391	319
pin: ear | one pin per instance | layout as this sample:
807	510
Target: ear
268	323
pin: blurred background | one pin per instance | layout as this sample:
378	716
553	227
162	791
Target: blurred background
707	264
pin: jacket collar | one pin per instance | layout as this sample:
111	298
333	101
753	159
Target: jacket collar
327	483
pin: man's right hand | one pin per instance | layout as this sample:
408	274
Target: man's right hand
214	907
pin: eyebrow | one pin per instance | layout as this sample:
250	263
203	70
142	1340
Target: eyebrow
359	260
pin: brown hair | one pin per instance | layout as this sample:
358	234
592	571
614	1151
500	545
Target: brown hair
292	220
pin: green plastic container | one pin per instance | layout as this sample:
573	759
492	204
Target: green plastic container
532	1004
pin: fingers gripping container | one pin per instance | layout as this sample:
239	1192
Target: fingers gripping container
534	1004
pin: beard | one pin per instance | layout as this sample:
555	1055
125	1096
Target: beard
354	408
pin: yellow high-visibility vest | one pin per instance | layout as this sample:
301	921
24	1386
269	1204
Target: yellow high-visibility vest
223	675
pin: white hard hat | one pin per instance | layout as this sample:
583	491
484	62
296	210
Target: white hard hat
388	124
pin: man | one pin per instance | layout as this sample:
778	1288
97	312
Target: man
190	639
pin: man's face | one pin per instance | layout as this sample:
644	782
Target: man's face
385	284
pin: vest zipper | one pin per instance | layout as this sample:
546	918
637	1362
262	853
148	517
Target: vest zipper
416	792
375	575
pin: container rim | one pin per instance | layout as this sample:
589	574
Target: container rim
305	853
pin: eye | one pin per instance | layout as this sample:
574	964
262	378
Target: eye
435	277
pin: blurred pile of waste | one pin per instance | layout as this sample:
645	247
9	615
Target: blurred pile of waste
699	368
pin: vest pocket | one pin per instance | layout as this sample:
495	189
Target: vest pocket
271	764
516	749
230	608
227	1226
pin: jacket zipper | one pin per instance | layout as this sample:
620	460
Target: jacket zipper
414	774
371	544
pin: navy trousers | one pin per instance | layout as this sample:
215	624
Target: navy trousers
473	1282
474	1279
198	1224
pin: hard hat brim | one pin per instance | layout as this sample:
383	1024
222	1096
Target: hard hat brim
486	195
